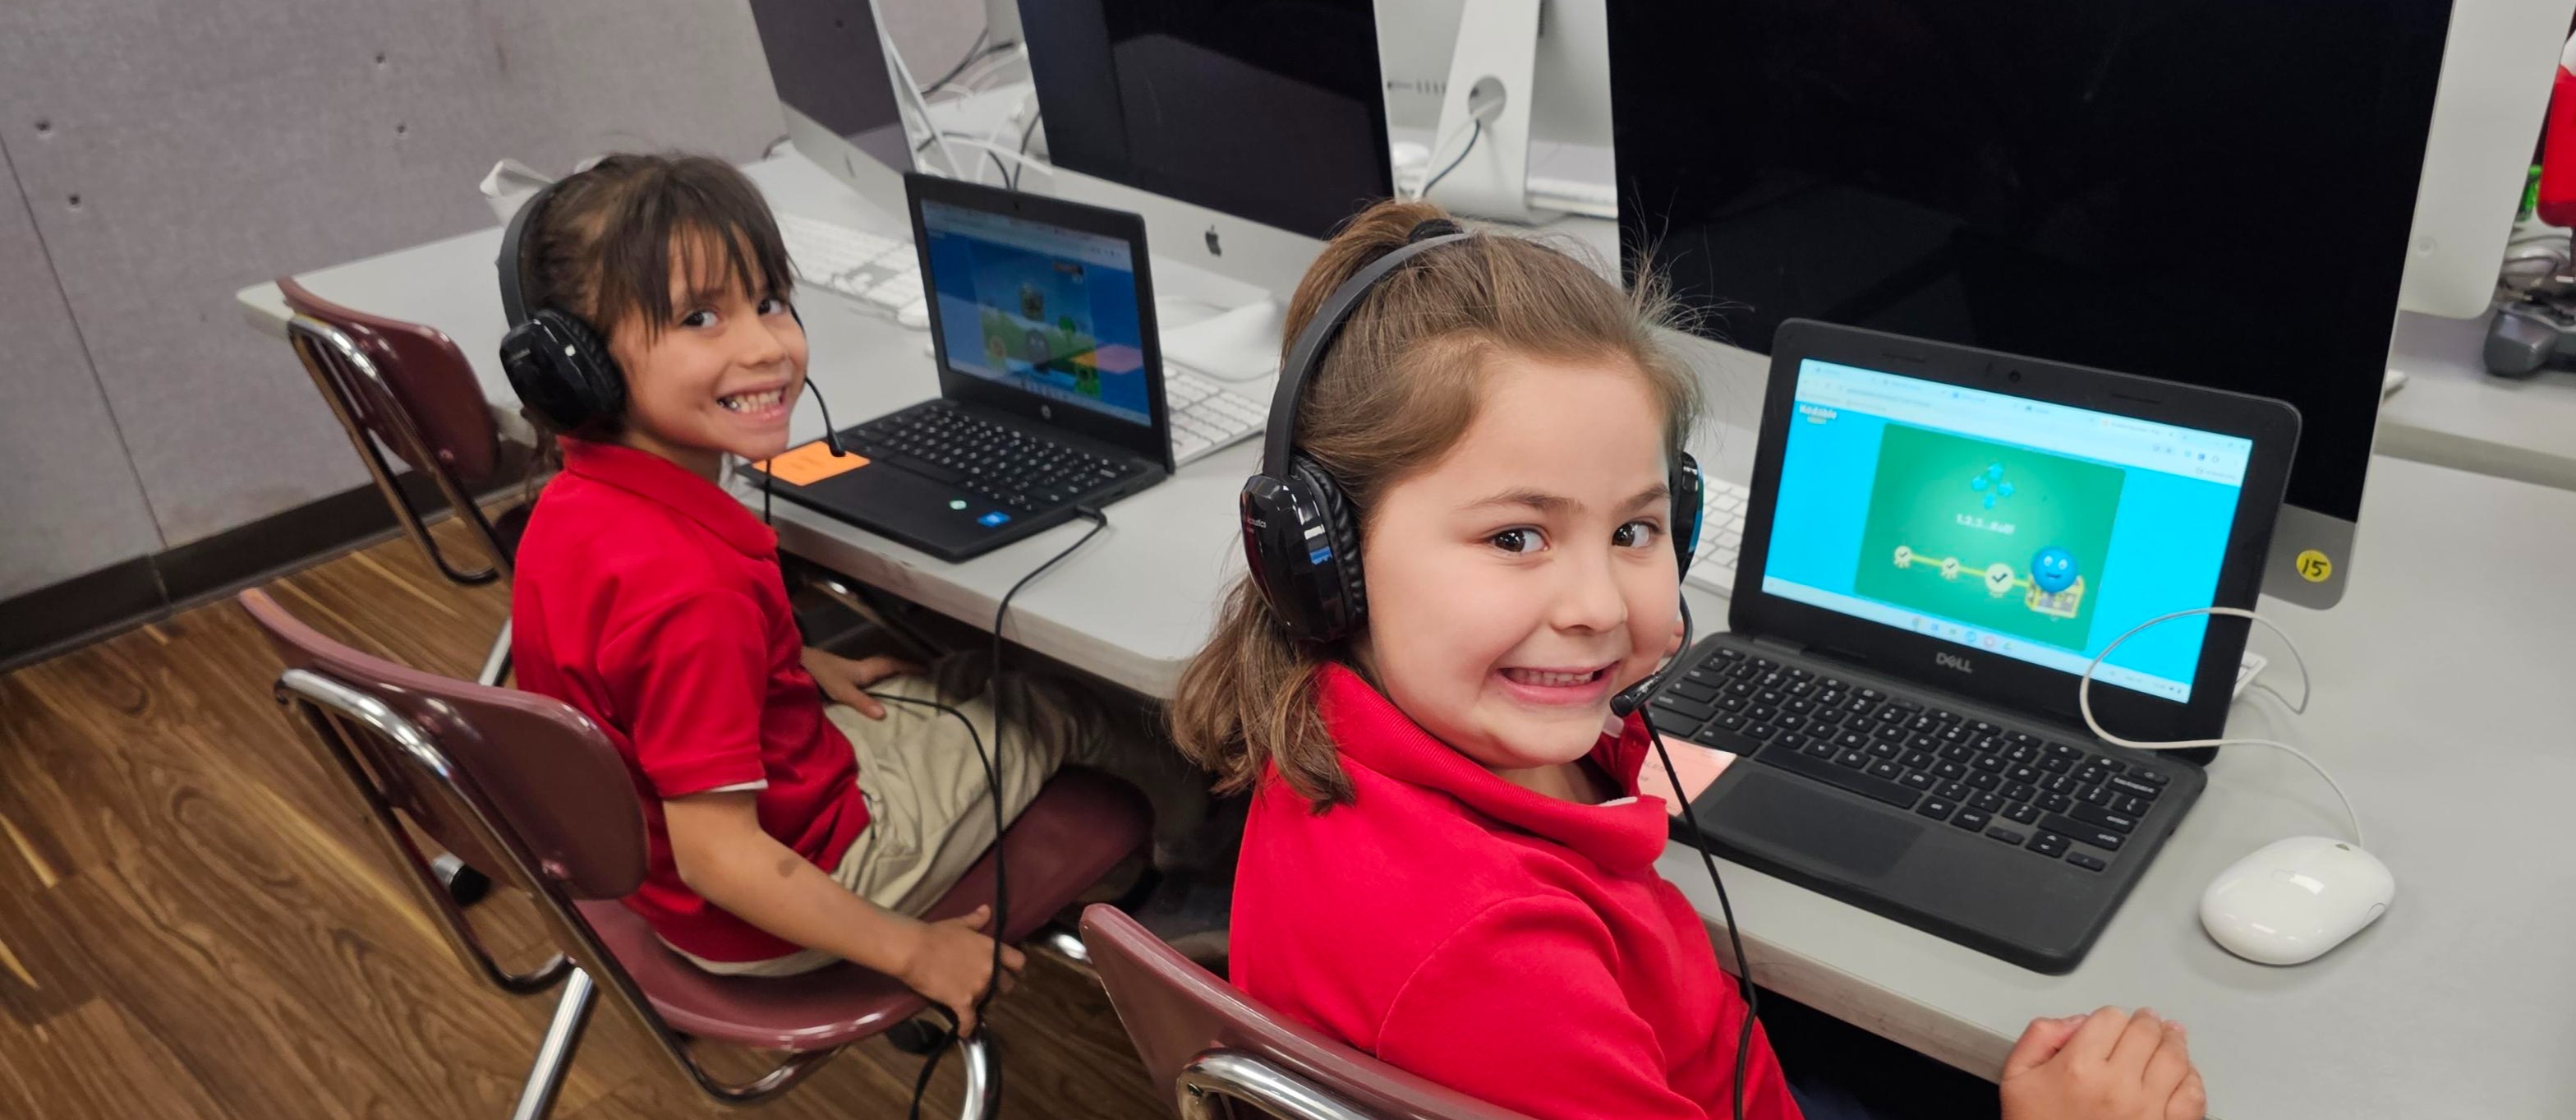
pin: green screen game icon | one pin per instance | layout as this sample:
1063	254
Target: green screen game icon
2003	539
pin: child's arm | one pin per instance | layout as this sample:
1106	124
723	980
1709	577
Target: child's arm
1521	1008
727	859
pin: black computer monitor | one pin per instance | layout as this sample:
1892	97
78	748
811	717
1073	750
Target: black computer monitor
828	67
2214	194
1269	110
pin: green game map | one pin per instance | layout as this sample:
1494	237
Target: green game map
2002	539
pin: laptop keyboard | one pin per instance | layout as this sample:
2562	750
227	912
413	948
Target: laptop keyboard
2053	799
1012	468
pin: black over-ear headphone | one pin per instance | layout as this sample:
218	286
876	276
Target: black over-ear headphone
558	364
1300	536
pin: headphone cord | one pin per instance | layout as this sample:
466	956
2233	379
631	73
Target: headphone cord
993	784
991	760
1725	906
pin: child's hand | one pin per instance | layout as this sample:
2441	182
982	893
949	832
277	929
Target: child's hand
2110	1065
952	961
847	681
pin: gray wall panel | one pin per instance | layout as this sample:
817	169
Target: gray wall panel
69	502
215	143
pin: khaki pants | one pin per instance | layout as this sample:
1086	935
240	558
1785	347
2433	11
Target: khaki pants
930	810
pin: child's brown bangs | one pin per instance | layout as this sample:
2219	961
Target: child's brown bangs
701	223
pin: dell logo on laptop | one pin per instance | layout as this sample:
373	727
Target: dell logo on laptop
1954	661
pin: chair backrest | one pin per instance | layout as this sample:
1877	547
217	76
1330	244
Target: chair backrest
1180	1016
420	372
557	790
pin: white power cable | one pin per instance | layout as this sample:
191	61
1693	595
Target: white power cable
1025	161
2084	702
903	82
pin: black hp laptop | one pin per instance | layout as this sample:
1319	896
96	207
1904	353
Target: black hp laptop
1941	538
1050	379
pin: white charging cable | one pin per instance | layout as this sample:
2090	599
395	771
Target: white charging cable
2084	702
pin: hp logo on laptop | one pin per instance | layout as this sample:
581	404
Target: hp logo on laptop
1046	412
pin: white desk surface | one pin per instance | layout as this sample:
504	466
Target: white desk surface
2454	413
2442	704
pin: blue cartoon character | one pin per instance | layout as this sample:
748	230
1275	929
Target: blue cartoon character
2052	569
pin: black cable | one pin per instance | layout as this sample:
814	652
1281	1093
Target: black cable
1472	137
1028	132
1725	906
993	785
974	52
1000	928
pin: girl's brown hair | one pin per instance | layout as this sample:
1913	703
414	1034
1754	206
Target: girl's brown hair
1397	389
613	234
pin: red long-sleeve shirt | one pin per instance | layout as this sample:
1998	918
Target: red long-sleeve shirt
1515	947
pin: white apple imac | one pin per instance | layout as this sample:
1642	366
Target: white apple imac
2498	64
835	90
2215	196
1244	132
1548	155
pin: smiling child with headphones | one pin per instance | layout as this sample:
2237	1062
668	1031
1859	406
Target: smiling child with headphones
652	332
1466	548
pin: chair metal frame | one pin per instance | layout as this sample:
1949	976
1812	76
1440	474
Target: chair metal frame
336	711
1220	1075
340	368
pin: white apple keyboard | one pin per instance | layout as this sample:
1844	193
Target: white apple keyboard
1721	540
872	270
1721	534
1207	416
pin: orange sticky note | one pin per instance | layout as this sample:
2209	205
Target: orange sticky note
1697	765
812	463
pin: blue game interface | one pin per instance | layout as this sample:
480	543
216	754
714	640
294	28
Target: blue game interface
1042	308
2037	531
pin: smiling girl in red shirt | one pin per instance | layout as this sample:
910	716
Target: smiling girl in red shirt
1448	864
785	833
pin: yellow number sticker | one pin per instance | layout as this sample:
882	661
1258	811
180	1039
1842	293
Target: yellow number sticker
2314	567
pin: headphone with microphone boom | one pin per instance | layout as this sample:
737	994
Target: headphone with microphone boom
558	363
1300	535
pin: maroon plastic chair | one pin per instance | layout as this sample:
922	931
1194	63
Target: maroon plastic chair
406	388
1218	1047
530	789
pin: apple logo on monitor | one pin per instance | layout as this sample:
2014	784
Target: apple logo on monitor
1216	248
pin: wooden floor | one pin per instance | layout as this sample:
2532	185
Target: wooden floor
195	923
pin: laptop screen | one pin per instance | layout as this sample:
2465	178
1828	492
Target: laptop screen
1044	309
2034	531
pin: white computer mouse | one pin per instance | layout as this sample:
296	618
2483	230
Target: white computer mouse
2294	899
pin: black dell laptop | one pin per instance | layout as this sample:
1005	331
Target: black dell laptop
1050	379
1940	540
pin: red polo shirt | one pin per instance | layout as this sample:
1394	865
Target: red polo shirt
651	600
1515	947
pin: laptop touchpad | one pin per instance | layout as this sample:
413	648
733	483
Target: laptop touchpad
1792	817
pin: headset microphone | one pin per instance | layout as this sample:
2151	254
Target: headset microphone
831	435
1635	696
